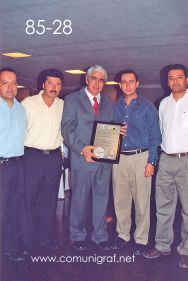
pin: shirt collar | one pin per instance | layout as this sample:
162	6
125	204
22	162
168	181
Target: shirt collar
40	98
90	96
172	98
135	101
3	102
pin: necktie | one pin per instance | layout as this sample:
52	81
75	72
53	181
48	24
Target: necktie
96	106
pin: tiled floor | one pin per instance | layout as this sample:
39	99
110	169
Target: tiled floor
113	269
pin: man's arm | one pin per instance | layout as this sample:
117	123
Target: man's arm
68	126
154	140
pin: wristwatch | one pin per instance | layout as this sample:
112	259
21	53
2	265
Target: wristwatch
154	163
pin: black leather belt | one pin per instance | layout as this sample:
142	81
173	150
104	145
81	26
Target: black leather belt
132	152
182	154
43	151
6	160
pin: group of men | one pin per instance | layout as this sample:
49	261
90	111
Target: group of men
29	181
30	164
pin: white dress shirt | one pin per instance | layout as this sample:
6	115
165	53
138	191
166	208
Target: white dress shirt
173	117
43	123
90	96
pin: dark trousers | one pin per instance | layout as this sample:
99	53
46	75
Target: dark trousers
12	212
42	177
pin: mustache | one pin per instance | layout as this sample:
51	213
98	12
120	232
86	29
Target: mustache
53	92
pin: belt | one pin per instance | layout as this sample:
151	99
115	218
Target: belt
43	151
182	154
132	152
6	160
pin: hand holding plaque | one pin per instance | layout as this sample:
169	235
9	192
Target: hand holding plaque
107	139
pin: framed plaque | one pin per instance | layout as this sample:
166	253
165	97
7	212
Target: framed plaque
107	139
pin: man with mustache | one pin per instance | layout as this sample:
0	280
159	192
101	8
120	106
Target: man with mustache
43	159
172	176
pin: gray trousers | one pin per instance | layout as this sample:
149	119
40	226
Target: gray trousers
84	182
171	182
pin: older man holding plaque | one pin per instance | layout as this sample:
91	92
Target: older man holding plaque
81	109
132	176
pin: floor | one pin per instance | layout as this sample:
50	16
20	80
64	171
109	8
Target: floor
118	266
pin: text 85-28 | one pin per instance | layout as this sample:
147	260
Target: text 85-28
40	27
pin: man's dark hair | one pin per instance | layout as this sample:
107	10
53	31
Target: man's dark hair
127	71
177	67
8	69
51	73
44	74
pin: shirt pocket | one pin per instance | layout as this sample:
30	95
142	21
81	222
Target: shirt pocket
185	121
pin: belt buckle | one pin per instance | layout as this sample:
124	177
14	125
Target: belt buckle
4	161
46	152
138	151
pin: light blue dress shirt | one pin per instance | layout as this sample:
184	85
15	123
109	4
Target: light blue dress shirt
12	129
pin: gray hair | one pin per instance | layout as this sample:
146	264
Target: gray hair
99	69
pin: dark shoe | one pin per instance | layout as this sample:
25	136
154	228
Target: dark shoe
155	253
7	253
22	253
183	263
79	245
139	249
105	246
49	245
118	244
14	256
25	252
